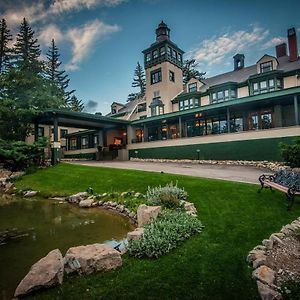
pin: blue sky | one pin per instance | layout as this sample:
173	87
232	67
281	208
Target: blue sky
101	40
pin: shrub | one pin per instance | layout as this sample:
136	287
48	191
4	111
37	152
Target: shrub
19	155
291	153
169	196
164	234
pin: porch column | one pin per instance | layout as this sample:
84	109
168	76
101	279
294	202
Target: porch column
296	110
100	138
277	116
145	134
130	134
56	145
104	136
180	127
228	120
36	131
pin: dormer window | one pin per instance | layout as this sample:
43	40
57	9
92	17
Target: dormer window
113	110
266	67
193	87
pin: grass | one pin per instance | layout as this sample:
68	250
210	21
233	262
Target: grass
210	265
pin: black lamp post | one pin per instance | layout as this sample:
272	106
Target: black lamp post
198	153
136	153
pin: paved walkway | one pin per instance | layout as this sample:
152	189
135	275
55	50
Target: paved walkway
231	173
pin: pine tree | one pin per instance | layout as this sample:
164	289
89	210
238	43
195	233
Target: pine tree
139	80
189	71
75	104
5	52
26	49
58	78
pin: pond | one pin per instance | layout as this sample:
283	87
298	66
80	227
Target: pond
40	226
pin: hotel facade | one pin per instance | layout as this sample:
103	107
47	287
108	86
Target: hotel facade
242	114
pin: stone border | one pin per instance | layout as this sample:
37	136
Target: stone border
273	166
266	277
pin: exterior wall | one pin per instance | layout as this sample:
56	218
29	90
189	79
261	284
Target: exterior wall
291	81
205	100
175	107
265	59
255	149
167	89
243	92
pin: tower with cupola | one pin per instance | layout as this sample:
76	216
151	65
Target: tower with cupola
163	64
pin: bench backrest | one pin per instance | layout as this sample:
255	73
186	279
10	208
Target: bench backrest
288	179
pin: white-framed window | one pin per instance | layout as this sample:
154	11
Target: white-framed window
171	76
162	51
192	87
266	66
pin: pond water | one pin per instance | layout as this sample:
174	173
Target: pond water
40	226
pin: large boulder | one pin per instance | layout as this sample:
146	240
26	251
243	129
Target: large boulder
76	198
266	293
92	258
264	274
45	273
146	214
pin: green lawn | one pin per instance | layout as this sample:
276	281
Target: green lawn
210	265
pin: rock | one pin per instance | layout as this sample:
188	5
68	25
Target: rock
9	187
268	244
260	261
92	258
138	195
132	215
275	239
266	293
86	203
146	214
136	234
30	194
57	198
190	207
45	273
254	255
264	274
76	198
100	203
124	194
113	204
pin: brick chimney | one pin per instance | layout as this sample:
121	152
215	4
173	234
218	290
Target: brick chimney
293	47
281	50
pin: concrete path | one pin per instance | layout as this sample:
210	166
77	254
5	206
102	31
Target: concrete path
231	173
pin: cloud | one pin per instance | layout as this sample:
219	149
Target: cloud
48	33
15	11
60	6
91	104
273	42
84	38
214	50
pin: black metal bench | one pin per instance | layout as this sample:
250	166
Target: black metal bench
287	182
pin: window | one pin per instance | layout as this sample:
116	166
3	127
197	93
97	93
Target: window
155	76
266	120
174	54
223	95
141	107
41	131
148	57
157	110
113	110
169	49
266	67
73	143
265	86
63	133
179	57
96	140
162	51
193	87
253	122
171	76
155	94
189	103
155	54
84	142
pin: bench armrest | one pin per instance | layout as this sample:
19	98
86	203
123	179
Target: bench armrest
265	177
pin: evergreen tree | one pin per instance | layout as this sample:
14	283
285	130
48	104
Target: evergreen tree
75	104
5	52
26	49
58	78
139	80
189	71
132	96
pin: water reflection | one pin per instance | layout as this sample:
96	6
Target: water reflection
48	225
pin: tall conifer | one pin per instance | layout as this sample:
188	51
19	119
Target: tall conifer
5	51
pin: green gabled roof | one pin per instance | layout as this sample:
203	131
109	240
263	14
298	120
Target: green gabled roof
249	99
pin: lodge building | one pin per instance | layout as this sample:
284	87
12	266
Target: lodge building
242	114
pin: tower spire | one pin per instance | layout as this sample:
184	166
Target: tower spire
162	32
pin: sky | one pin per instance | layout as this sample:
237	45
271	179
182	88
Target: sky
101	41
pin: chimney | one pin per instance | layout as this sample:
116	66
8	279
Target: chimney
238	61
281	50
293	47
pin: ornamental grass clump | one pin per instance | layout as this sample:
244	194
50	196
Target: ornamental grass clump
168	196
164	234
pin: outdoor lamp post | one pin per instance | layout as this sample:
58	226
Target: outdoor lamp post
136	153
198	153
